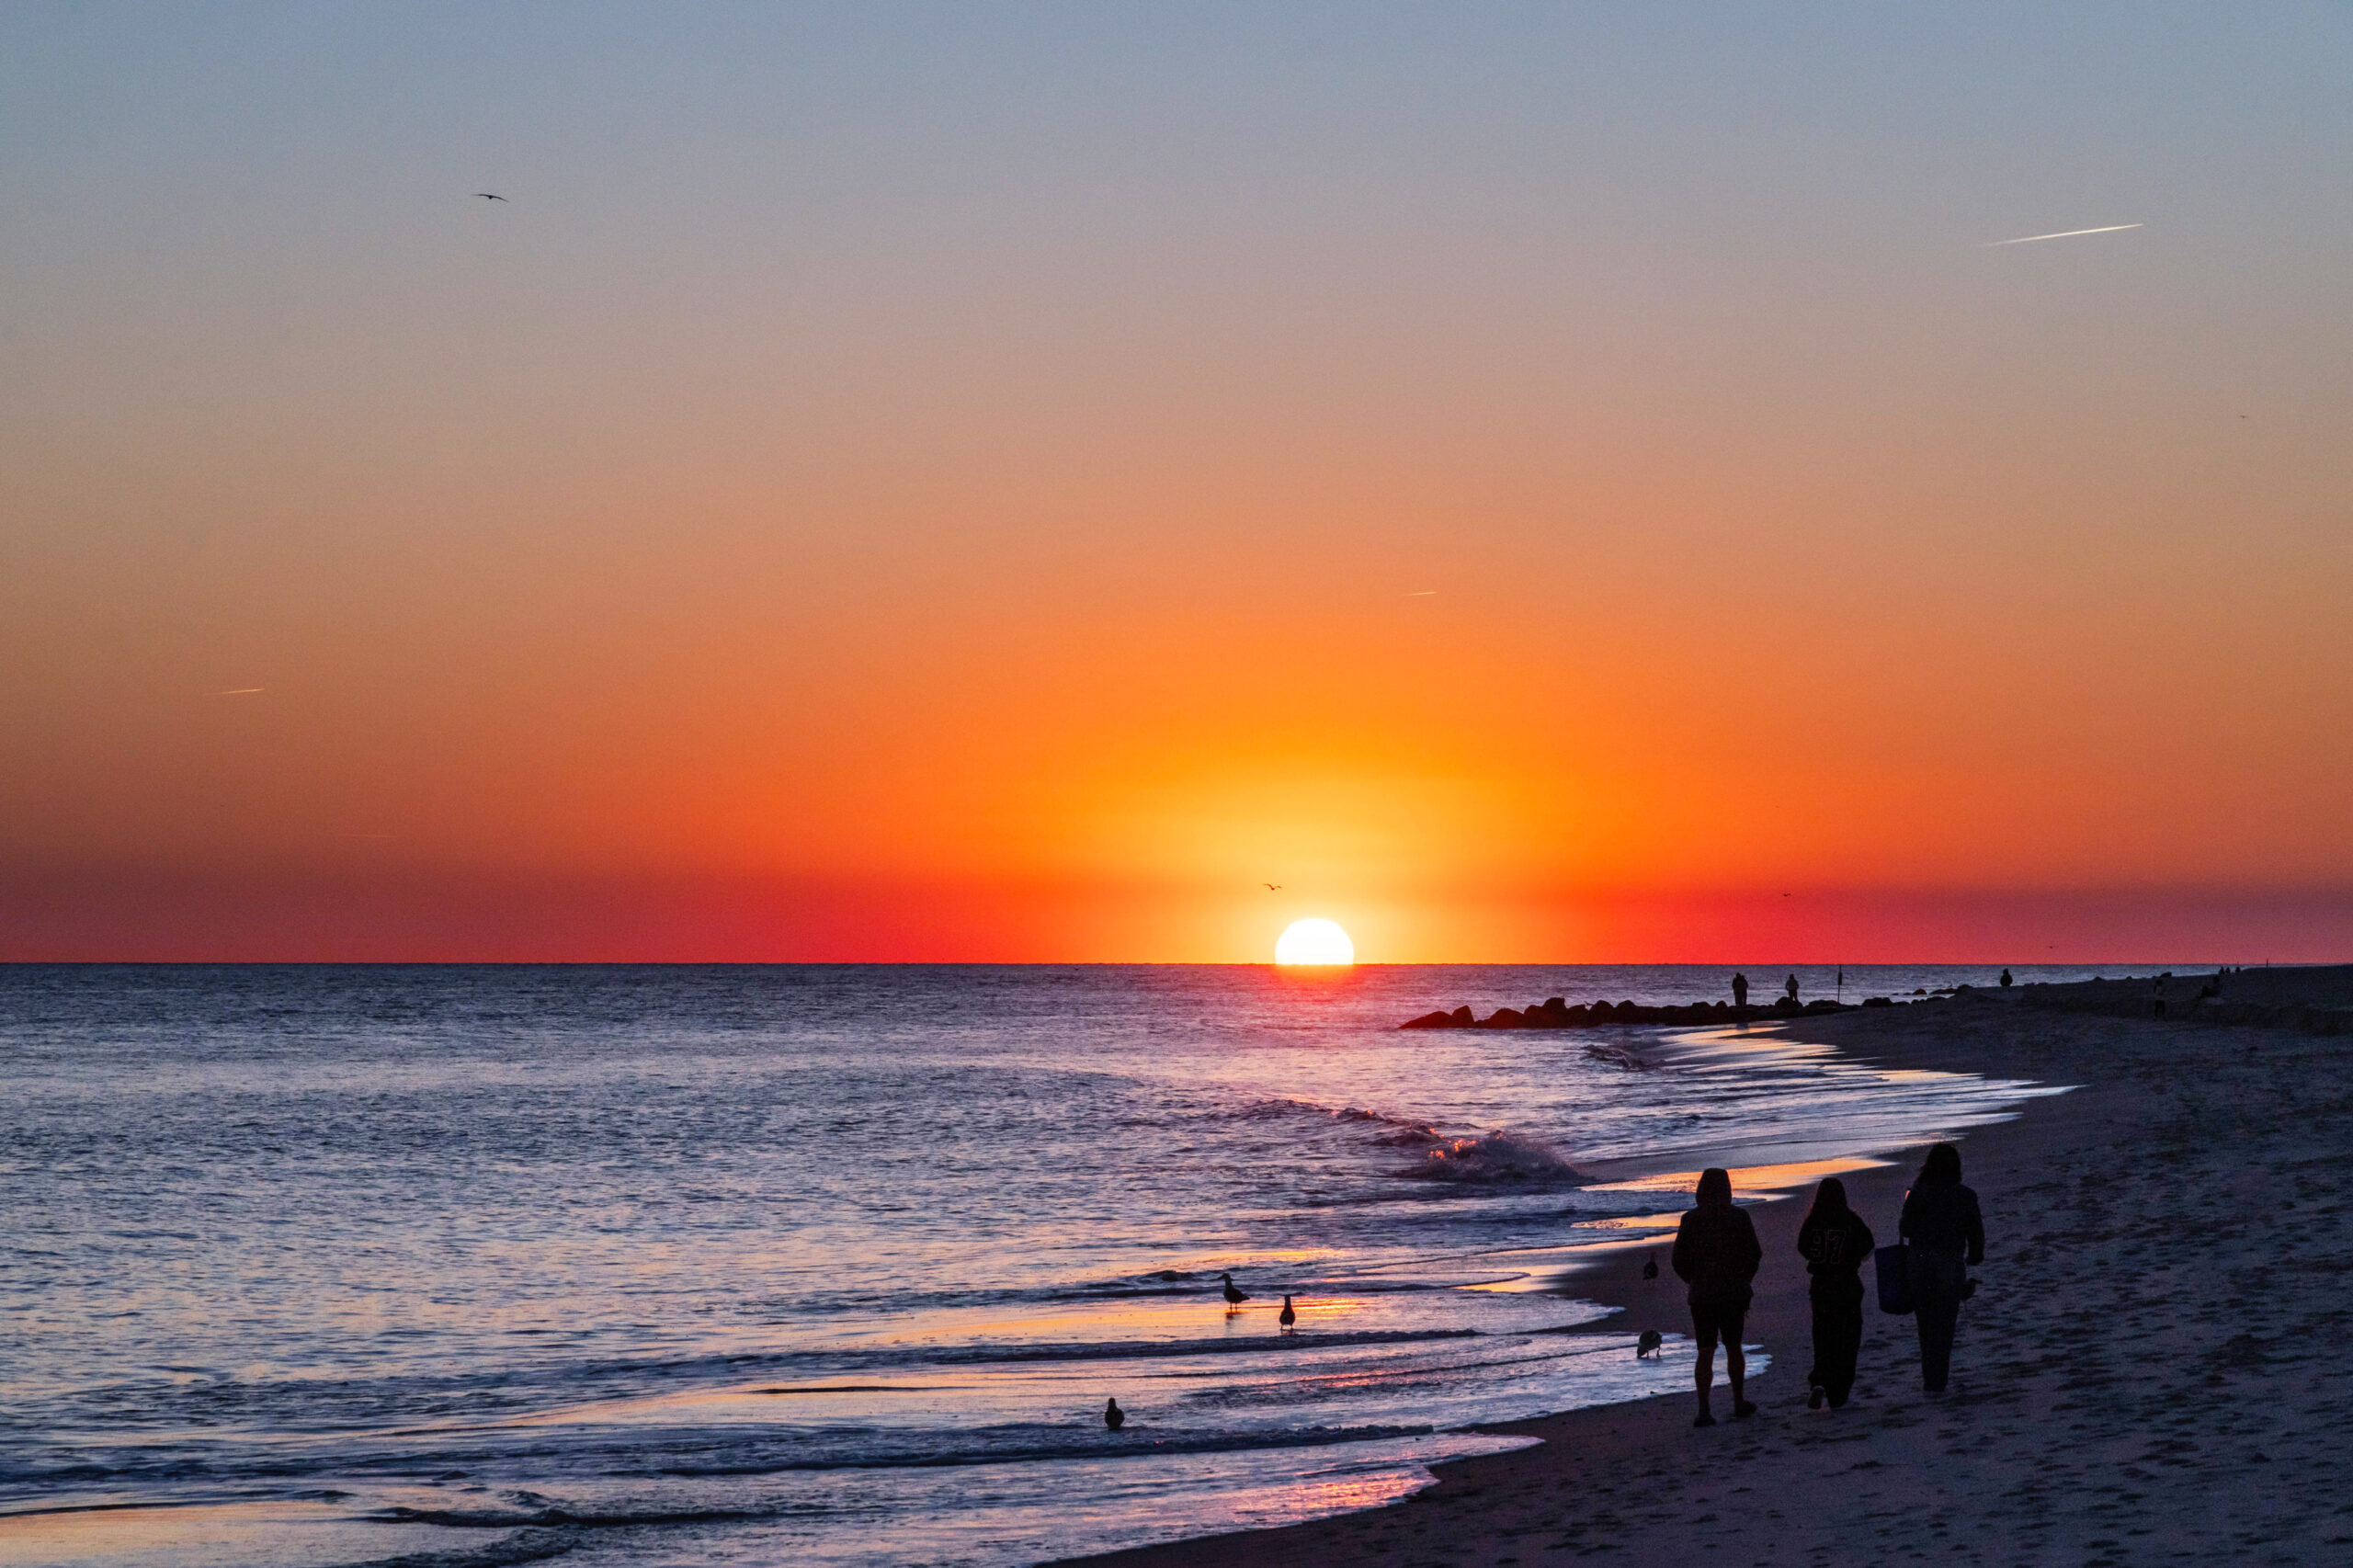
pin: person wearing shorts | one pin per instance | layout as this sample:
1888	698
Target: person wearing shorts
1716	1254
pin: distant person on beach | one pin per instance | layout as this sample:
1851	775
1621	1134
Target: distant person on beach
1792	988
1948	1237
1740	991
2006	980
1716	1254
1834	1241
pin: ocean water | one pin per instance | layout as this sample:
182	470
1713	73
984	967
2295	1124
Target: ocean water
326	1265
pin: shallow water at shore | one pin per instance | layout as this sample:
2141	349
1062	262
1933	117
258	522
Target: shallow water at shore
690	1266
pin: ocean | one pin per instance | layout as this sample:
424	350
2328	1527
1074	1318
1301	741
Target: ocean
311	1266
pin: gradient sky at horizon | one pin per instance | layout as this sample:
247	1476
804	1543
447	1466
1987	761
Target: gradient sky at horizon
913	482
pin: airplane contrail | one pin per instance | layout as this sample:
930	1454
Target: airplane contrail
238	692
2062	234
1421	592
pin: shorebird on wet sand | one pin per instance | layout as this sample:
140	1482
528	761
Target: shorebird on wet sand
1289	1317
1233	1298
1647	1344
1650	1269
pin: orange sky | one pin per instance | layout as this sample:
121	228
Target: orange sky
1535	492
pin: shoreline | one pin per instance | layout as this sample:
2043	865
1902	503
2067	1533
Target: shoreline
2108	1402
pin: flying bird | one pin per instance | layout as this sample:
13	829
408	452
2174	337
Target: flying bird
1272	887
486	196
2061	235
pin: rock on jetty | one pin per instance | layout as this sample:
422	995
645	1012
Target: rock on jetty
1554	1013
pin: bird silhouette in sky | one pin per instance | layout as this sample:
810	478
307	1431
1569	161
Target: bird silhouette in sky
486	196
1272	887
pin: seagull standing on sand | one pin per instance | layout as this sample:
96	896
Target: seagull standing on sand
1233	1298
1650	1267
1113	1416
1647	1344
1288	1317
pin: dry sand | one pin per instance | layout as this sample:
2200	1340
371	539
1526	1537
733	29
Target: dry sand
2155	1369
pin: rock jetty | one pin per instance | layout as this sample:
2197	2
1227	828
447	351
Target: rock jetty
1554	1013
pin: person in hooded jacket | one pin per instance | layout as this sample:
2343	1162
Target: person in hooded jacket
1947	1232
1834	1241
1716	1253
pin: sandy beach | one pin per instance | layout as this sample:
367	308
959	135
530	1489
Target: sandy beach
2151	1371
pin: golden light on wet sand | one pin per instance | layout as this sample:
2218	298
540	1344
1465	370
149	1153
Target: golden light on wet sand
1314	942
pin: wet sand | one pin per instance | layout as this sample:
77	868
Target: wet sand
2155	1368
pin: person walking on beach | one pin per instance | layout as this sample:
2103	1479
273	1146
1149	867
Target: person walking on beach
1716	1254
1948	1235
1834	1241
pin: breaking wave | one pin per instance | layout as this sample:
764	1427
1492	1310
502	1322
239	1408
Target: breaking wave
1496	1157
1489	1157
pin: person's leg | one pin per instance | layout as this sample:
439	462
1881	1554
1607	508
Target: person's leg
1936	1342
1952	1274
1703	1364
1703	1373
1938	1293
1836	1356
1923	1278
1735	1323
1817	1380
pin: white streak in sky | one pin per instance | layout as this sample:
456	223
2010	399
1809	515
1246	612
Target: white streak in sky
1421	592
238	692
2062	234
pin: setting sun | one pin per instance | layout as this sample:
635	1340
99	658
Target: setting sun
1314	942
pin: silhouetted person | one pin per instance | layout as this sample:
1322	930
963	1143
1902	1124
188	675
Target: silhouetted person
2006	979
1288	1317
1740	991
1792	987
1716	1254
1834	1241
1947	1236
1113	1416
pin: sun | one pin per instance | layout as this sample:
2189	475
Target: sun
1314	942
